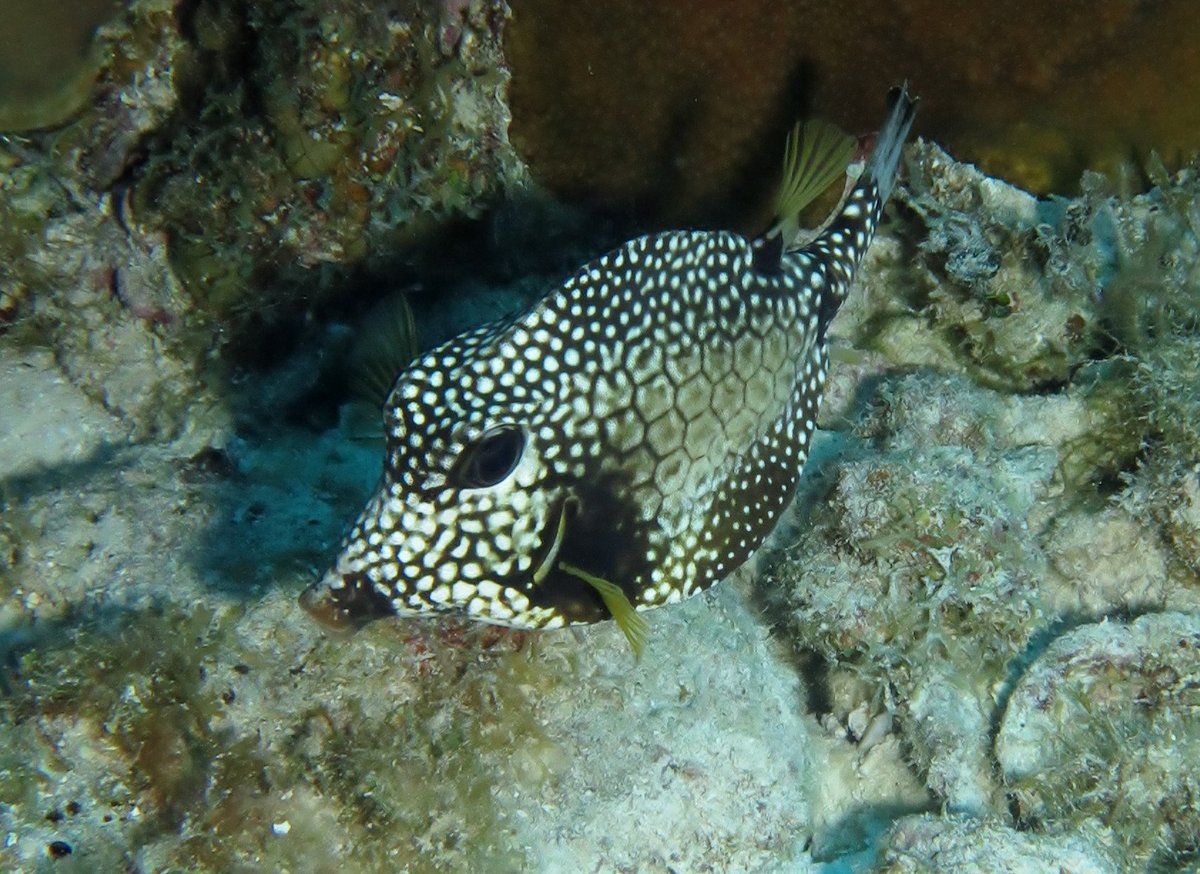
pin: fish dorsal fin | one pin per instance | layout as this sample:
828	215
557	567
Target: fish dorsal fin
632	623
817	154
385	345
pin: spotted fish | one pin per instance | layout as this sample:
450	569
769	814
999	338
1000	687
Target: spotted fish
625	443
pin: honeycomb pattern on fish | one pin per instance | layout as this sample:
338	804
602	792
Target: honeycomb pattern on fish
646	422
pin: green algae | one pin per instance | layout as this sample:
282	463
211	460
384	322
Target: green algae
118	722
417	781
142	698
153	699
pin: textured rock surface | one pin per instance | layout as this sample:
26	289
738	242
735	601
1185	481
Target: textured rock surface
1102	731
607	103
929	843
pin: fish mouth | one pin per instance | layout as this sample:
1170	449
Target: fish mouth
320	601
342	601
551	545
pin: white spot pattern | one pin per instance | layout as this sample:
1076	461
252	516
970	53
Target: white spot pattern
666	396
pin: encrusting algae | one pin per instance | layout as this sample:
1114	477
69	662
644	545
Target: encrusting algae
629	440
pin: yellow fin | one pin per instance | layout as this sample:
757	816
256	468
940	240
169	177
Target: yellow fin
817	154
632	623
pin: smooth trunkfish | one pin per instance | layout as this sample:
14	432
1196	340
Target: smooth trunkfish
627	441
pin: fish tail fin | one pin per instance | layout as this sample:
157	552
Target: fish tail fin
885	159
843	243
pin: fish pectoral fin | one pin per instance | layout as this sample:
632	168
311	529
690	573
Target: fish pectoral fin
632	624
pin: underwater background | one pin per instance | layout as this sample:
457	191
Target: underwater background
974	645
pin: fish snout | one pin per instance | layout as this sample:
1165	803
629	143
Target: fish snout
343	600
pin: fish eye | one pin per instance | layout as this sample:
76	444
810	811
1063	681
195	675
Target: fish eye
490	458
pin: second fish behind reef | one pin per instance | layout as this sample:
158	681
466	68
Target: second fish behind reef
624	443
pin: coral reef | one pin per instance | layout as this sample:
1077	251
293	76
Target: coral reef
938	663
233	167
959	522
375	126
916	567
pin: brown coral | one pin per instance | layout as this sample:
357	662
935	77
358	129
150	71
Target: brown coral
667	105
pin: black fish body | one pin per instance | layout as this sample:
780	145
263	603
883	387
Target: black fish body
631	438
